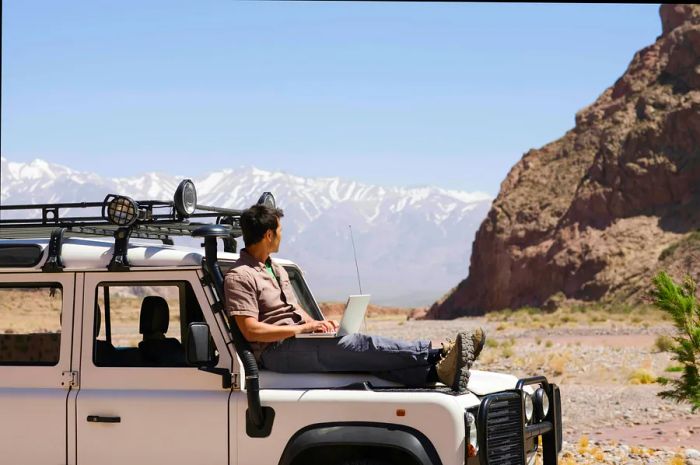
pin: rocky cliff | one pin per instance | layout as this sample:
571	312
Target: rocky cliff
593	215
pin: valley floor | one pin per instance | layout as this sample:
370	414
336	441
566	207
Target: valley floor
606	370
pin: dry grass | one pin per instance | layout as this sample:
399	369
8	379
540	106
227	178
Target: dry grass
597	453
557	364
581	315
583	444
642	376
664	343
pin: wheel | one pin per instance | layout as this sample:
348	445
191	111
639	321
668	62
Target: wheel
367	462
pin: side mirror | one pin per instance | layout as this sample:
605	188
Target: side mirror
199	350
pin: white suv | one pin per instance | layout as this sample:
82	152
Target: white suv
116	350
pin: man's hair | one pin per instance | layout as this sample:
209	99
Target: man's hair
256	220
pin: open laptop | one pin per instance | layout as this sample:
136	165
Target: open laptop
352	320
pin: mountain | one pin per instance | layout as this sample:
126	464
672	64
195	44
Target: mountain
595	214
412	243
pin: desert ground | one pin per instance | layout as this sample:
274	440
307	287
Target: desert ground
605	361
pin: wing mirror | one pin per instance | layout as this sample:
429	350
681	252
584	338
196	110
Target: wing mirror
199	350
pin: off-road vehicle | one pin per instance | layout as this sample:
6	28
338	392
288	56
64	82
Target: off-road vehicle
115	349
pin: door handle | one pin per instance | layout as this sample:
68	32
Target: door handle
101	419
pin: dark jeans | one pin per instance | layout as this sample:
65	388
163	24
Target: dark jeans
400	361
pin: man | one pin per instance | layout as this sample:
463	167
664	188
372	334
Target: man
259	295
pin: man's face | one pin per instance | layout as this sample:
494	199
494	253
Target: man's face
276	238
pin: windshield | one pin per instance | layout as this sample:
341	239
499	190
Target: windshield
302	292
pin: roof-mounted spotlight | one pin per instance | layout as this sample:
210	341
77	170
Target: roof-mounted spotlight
267	199
121	210
185	199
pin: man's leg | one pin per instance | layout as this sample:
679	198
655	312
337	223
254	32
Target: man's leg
406	362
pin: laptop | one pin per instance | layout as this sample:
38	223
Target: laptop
353	316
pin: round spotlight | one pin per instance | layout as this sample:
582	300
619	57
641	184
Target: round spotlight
473	445
529	407
267	199
122	210
185	199
542	401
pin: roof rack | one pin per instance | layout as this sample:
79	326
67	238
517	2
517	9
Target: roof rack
122	217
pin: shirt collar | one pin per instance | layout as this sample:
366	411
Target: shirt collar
248	259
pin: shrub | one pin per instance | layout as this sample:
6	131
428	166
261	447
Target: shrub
557	364
507	351
582	445
679	301
664	343
507	348
642	376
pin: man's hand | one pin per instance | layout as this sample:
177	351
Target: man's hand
316	326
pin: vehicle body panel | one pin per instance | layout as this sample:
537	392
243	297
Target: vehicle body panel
33	398
167	415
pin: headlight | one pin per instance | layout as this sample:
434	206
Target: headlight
529	407
542	401
473	441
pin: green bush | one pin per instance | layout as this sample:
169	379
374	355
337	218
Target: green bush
679	301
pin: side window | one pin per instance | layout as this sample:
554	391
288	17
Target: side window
304	297
143	324
30	324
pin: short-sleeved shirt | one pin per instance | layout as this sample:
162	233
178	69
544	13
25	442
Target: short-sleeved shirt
250	290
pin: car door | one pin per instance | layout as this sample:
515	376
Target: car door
138	410
36	326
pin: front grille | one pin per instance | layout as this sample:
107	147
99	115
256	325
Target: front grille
501	423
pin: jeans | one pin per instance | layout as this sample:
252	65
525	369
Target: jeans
405	362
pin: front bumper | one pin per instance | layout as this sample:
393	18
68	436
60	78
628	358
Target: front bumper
504	435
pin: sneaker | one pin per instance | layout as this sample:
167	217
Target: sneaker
453	369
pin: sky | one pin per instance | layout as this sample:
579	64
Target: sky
396	94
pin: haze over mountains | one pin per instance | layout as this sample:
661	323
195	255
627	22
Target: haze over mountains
413	244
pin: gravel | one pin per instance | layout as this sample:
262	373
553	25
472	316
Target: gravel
607	417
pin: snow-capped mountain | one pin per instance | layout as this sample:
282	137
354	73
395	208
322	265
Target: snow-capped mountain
413	244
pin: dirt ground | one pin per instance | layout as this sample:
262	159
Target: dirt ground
606	368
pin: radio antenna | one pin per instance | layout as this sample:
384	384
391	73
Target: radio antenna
354	252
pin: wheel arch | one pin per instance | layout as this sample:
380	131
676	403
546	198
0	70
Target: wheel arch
382	436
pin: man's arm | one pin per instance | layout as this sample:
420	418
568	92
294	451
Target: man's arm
308	319
257	331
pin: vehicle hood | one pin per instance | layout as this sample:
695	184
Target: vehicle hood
487	382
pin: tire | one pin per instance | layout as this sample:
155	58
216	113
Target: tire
367	462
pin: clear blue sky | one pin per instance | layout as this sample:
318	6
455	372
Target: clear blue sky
390	93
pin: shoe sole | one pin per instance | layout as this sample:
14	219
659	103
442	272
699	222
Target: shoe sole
478	347
464	348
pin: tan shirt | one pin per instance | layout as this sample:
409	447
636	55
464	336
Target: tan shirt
249	290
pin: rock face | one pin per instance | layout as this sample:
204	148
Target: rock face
593	215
